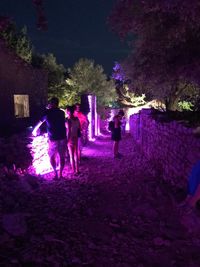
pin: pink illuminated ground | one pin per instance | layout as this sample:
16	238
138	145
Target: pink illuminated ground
117	213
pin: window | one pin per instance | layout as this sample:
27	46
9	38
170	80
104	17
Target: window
21	105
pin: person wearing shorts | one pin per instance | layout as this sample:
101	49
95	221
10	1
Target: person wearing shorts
55	122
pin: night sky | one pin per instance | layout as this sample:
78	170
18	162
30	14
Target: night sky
76	28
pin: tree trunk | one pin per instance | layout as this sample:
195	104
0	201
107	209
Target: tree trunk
173	99
172	103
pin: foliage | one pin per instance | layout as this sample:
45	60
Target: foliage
126	97
165	42
133	99
56	72
185	105
83	75
67	96
86	77
18	40
57	85
37	60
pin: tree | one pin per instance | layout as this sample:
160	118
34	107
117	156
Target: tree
165	42
57	85
19	41
126	96
66	94
86	77
56	72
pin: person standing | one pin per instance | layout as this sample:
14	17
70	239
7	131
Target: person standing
73	131
115	128
83	128
55	122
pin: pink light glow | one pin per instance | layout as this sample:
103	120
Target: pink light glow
96	116
90	119
94	119
39	150
98	125
131	111
39	147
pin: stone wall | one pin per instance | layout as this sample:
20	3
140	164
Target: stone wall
172	148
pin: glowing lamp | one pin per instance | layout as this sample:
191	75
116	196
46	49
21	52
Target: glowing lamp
93	128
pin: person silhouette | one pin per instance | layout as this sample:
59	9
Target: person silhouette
73	130
55	122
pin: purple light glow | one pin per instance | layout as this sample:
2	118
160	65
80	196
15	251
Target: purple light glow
39	147
131	111
98	126
97	119
90	119
39	151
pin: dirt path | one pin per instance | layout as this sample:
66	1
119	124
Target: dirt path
116	213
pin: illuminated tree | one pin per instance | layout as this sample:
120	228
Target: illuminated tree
86	77
56	72
126	96
57	75
166	44
57	85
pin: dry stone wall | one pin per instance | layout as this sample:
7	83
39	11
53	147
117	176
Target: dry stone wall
172	148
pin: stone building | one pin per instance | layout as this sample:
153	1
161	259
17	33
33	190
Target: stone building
23	91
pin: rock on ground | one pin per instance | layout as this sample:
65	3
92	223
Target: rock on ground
117	212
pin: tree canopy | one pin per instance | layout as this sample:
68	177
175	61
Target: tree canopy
86	77
83	77
19	41
57	85
126	96
165	38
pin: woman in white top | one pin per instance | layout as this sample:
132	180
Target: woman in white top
73	131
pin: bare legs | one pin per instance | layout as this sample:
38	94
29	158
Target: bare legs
62	164
71	157
73	153
79	149
57	147
116	148
53	164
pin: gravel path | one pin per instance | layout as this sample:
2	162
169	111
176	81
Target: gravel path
117	213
